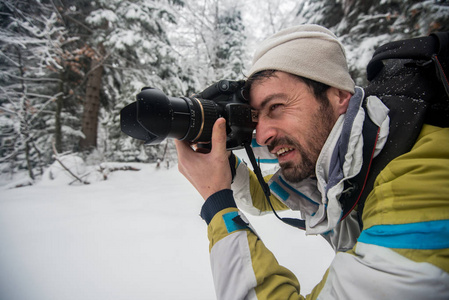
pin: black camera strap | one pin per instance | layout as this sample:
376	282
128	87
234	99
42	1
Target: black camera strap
298	223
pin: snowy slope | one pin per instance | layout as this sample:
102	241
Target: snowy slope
136	235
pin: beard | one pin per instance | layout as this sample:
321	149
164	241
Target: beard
296	171
319	131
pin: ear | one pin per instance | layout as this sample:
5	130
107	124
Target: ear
339	100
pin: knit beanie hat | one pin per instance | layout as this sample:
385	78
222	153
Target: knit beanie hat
310	51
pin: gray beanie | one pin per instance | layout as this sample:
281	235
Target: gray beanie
310	51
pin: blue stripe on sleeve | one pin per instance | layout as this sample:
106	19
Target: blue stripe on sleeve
232	226
424	235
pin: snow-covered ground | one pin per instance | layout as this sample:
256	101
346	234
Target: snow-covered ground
136	235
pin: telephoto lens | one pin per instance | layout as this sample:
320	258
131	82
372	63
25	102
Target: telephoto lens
169	117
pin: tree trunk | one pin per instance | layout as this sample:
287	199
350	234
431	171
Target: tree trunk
58	126
92	103
23	113
28	160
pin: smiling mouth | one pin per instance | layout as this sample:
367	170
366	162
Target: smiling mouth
283	151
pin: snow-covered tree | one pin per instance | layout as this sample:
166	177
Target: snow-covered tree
365	25
33	67
137	53
67	68
212	41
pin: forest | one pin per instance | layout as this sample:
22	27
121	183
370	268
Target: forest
67	68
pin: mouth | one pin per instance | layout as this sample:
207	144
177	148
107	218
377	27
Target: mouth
284	148
286	156
283	151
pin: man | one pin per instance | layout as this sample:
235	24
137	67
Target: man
310	116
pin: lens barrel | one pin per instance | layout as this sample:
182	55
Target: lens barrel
171	117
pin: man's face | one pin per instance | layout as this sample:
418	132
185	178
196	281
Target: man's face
291	122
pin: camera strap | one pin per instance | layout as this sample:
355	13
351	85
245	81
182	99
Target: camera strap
298	223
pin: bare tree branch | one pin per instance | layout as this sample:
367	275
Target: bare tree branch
56	156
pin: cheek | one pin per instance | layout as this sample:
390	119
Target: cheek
303	130
295	129
299	122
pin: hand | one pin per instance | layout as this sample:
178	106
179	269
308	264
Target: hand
207	172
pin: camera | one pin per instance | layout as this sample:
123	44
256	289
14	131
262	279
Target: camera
155	116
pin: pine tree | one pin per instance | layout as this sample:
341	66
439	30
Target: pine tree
228	43
365	25
212	41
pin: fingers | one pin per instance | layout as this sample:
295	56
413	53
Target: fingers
219	135
218	140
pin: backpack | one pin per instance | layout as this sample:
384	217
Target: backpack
411	79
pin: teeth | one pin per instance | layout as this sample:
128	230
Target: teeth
283	150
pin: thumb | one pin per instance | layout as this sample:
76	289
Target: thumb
219	135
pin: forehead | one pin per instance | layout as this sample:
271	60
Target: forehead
280	85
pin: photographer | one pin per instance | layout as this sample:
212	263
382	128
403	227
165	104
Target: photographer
310	116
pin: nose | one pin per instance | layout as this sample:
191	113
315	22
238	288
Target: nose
264	133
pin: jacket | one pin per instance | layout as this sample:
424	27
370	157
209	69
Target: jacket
402	252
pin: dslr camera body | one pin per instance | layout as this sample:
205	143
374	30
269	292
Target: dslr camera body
154	116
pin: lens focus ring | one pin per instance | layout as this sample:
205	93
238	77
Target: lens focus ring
209	112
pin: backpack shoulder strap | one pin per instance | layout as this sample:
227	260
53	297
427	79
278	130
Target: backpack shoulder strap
443	52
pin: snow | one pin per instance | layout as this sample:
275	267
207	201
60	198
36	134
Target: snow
136	235
99	16
360	56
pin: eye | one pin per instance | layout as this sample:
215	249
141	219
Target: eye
275	106
254	115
